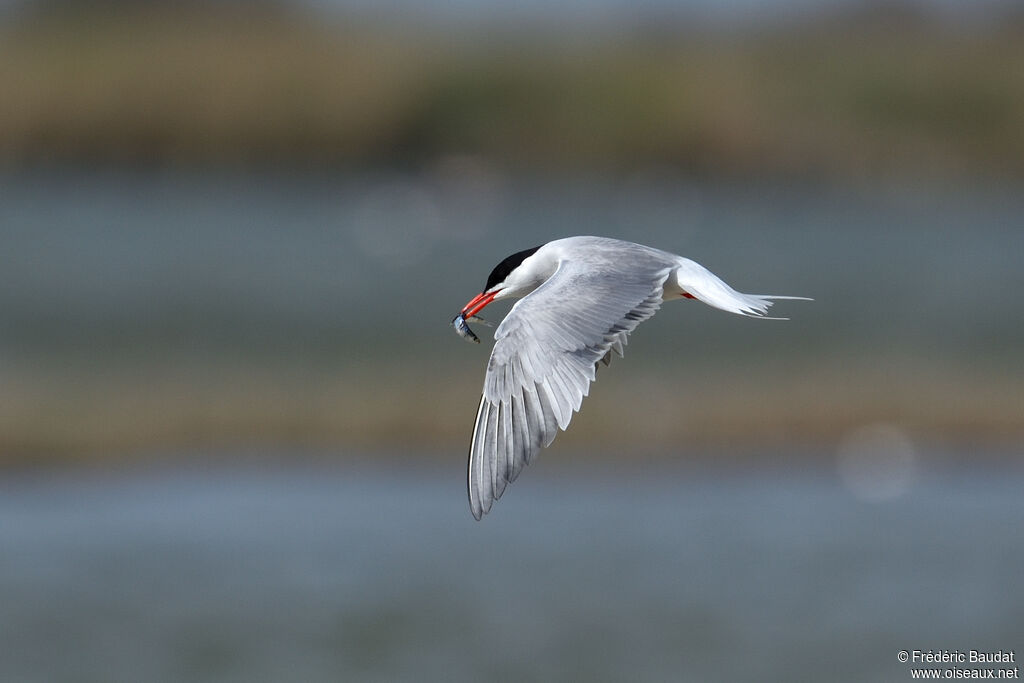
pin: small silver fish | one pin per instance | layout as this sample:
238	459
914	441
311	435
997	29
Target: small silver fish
459	323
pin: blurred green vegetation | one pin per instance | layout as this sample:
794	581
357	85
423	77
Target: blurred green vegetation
408	408
194	84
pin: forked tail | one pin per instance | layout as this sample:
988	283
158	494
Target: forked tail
697	282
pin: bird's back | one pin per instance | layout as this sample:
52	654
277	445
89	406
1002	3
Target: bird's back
625	256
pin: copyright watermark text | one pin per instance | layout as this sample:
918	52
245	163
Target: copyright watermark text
961	664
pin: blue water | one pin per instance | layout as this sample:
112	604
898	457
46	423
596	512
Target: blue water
373	570
105	264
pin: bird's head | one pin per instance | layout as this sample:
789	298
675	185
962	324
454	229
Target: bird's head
516	276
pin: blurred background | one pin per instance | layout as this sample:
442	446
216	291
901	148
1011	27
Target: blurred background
234	417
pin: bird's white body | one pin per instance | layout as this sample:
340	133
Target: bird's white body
582	298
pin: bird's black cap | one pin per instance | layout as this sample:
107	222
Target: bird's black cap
512	262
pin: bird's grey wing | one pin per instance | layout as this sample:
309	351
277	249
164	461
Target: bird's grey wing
544	361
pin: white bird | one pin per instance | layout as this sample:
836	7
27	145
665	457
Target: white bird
582	298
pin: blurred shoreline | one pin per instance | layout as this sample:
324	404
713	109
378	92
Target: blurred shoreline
869	94
110	414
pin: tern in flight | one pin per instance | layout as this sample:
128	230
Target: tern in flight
581	297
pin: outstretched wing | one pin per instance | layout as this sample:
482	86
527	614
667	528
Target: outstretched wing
544	361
